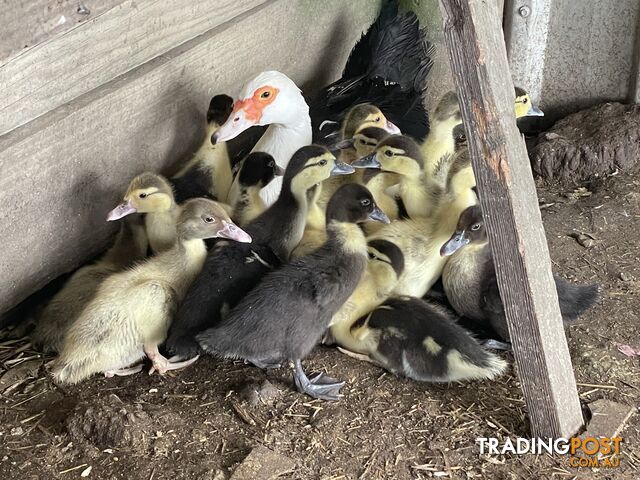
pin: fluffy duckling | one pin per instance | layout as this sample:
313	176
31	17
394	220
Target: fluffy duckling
284	317
441	140
66	306
130	314
358	118
401	155
406	335
232	270
151	194
255	172
384	267
470	283
208	173
419	340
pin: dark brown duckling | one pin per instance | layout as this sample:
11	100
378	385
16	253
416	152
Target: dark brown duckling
130	314
470	283
285	316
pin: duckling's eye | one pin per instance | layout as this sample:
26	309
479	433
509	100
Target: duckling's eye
389	153
209	219
525	101
266	94
361	141
377	119
365	202
271	164
475	227
322	163
371	256
143	195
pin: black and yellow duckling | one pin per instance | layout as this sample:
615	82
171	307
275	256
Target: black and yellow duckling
255	172
284	317
446	117
208	173
66	306
406	335
130	314
151	194
231	270
470	283
401	155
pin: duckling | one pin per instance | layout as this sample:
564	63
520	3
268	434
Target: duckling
470	283
232	270
208	173
255	172
151	194
401	155
441	140
387	67
66	306
422	341
284	317
130	314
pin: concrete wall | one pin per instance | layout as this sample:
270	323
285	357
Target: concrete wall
122	91
574	54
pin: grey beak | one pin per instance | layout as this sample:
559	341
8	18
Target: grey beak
214	138
279	171
379	216
534	112
341	168
455	243
370	161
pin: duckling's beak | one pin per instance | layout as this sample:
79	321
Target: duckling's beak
279	171
370	161
534	112
231	231
234	126
341	168
122	210
392	128
378	215
455	243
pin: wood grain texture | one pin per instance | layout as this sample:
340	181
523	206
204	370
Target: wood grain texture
61	173
26	23
102	48
509	201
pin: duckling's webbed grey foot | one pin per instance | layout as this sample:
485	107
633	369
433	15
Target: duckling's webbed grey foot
320	386
161	364
123	372
496	345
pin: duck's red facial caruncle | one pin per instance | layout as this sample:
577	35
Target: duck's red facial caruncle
246	113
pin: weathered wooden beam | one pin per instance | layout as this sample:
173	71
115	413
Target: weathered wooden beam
508	197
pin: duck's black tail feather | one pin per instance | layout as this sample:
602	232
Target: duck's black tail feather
575	299
388	67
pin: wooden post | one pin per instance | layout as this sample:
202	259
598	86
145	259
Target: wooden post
509	201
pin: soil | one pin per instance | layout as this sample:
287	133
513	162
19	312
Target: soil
203	422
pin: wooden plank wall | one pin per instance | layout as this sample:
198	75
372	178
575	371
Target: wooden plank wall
125	92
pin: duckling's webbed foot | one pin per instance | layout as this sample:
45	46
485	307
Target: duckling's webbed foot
123	372
320	386
161	364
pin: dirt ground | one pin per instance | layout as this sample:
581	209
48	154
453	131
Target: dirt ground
203	422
